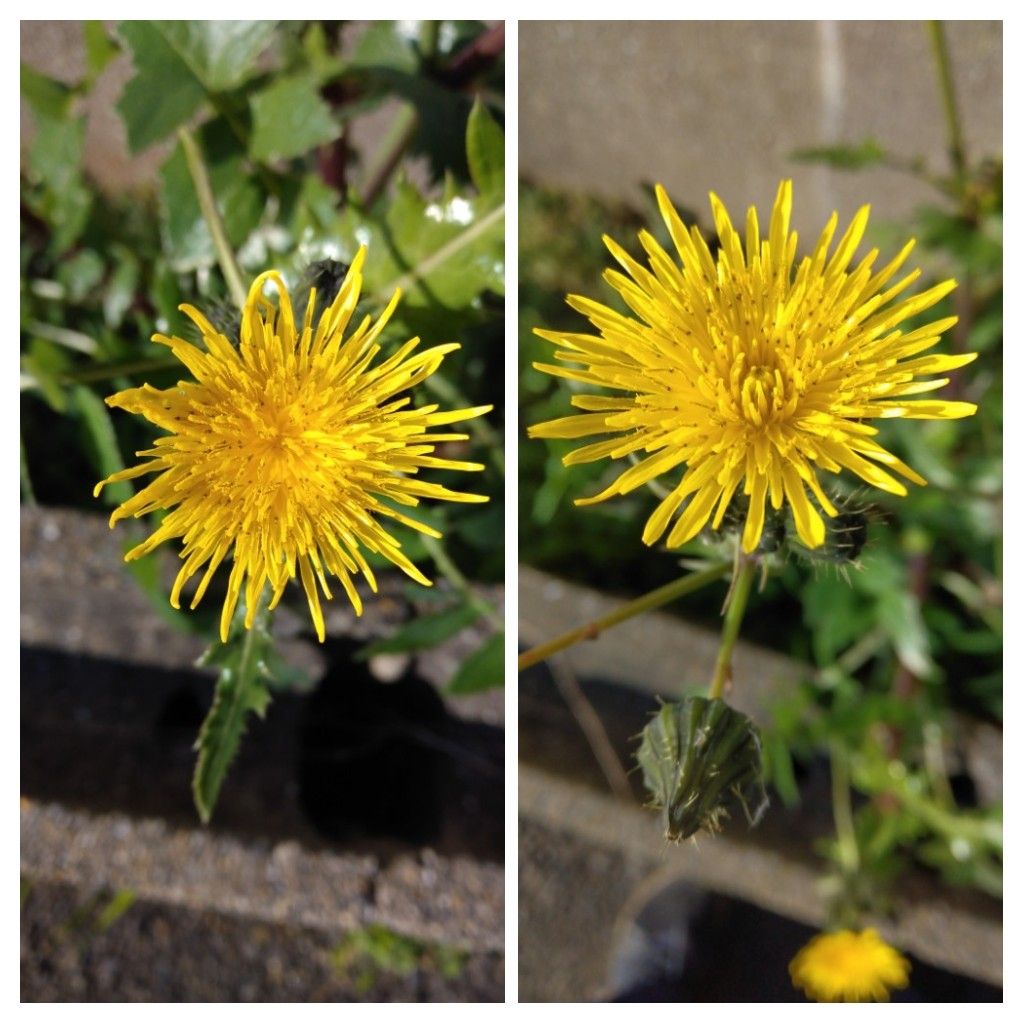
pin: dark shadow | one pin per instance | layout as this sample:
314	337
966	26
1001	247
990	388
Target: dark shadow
357	763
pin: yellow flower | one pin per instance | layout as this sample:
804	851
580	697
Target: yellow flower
849	967
750	371
287	451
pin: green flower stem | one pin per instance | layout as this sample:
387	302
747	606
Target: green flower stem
451	572
842	810
957	152
655	599
744	578
208	205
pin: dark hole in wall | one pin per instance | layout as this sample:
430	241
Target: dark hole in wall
366	763
357	762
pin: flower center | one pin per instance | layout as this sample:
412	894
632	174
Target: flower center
766	394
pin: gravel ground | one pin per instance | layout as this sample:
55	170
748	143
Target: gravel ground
153	953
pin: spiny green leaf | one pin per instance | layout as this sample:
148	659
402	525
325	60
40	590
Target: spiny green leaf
482	670
426	631
241	689
485	150
290	118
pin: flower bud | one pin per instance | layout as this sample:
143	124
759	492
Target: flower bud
698	756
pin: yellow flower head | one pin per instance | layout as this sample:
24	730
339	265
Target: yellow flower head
750	371
849	967
289	450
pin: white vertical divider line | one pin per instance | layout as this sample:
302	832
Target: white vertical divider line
511	508
831	104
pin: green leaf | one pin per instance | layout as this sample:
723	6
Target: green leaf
442	254
426	631
164	92
290	118
81	274
45	95
241	689
485	150
99	48
119	904
177	64
120	291
482	670
59	196
385	45
101	441
56	153
45	362
221	54
844	157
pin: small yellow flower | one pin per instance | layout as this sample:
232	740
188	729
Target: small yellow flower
287	451
750	372
849	967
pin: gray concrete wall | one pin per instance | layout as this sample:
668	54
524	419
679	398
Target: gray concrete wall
605	106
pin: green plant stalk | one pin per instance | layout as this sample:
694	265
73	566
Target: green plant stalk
655	599
842	811
951	824
957	152
208	205
746	568
452	573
